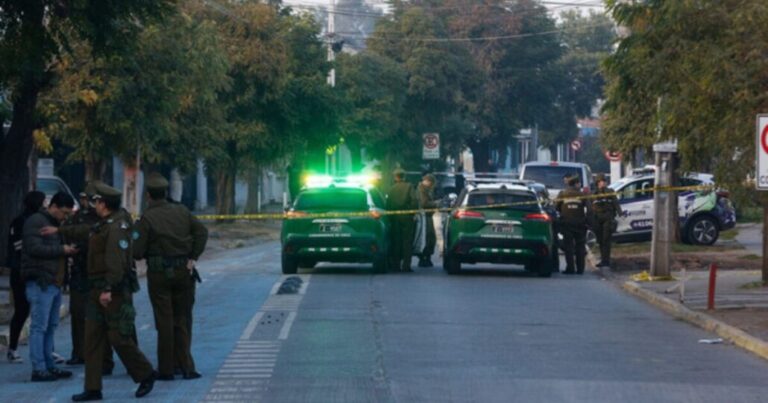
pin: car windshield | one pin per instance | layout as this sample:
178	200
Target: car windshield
510	200
333	199
48	186
550	175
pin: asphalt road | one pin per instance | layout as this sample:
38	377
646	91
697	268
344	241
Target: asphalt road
341	334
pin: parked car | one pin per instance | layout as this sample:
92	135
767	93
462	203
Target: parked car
50	185
355	229
518	232
551	174
703	213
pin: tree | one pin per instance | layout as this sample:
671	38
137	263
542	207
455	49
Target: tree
372	94
154	97
693	71
33	33
442	80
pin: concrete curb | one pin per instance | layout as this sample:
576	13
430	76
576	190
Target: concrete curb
737	336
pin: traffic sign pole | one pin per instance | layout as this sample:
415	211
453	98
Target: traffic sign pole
761	180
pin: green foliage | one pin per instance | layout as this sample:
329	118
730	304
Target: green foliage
694	71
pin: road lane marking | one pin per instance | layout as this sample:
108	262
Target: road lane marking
249	366
287	326
248	332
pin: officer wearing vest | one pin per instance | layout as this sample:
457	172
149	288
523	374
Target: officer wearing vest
401	197
573	211
171	239
110	314
606	208
426	192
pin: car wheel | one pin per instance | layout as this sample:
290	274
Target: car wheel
451	265
703	231
380	264
290	265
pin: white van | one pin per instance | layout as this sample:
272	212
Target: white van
551	174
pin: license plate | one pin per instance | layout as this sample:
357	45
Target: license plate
503	229
330	228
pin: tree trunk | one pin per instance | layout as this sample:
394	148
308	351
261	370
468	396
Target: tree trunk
15	148
225	192
254	187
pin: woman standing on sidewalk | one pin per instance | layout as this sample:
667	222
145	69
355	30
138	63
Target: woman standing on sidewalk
33	201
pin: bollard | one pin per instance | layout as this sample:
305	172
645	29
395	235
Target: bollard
712	283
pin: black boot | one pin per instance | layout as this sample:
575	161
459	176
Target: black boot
191	375
87	396
146	385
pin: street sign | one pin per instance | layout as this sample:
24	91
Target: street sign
613	156
666	147
761	147
576	145
431	146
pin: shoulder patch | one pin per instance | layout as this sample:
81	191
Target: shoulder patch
110	221
123	244
123	225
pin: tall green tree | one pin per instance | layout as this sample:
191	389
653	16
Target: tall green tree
693	71
33	34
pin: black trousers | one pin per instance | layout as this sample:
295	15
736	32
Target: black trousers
575	246
20	307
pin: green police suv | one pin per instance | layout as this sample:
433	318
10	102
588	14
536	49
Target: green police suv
500	223
335	220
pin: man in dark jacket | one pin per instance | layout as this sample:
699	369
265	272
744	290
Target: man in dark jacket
426	192
43	269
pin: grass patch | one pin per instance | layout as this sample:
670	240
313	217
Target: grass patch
729	235
751	257
752	285
750	214
640	248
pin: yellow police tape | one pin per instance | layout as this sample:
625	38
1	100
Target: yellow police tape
645	276
290	215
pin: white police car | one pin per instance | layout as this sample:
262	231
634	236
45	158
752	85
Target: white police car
703	213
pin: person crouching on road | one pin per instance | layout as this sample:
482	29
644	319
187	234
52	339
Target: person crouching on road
43	268
171	239
110	309
401	197
426	192
606	208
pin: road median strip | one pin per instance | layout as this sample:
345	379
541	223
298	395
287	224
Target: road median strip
733	334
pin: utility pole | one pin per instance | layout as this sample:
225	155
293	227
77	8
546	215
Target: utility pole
663	209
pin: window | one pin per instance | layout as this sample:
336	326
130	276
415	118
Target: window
551	176
512	201
638	190
333	200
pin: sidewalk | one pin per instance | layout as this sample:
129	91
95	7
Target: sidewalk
741	301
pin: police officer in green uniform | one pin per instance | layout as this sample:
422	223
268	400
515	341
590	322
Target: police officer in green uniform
426	192
401	196
606	208
171	239
110	314
573	211
78	280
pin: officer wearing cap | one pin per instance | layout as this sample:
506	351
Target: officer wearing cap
111	315
401	197
606	208
573	211
426	192
171	239
78	281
